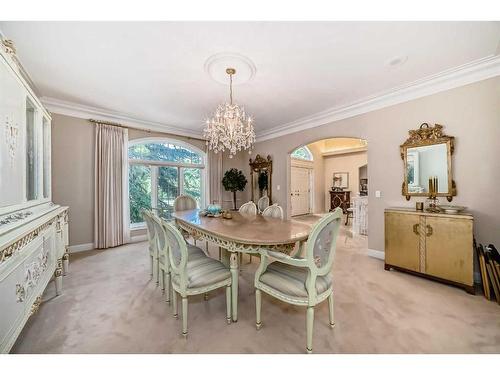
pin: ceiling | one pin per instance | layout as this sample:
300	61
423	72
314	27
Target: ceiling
154	71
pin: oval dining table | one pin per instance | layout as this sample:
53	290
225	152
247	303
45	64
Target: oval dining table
242	234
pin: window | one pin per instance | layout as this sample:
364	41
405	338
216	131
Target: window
159	171
302	153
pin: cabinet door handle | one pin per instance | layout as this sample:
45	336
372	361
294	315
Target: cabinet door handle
429	230
416	229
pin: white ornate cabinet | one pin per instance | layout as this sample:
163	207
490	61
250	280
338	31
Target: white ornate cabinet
33	230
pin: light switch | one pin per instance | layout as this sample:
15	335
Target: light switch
277	187
378	193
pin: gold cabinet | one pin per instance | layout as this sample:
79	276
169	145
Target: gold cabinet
439	246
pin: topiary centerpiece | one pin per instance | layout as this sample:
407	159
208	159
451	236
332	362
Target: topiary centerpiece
234	180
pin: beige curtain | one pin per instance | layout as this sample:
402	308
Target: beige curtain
215	177
111	188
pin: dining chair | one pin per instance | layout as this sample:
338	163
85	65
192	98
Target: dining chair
248	208
152	243
183	203
193	273
263	203
302	281
273	211
164	275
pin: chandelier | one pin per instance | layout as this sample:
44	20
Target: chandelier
230	129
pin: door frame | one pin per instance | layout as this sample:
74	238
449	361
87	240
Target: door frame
309	165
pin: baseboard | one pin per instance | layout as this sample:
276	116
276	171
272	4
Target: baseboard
376	254
140	238
82	247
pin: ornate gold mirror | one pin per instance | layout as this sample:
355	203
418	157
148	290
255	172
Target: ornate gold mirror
427	163
261	171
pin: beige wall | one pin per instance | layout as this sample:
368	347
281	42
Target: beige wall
341	163
470	113
73	171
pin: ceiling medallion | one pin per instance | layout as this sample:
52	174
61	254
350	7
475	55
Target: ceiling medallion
230	129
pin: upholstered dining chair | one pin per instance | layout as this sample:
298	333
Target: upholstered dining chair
163	259
152	243
193	273
302	281
273	211
262	203
248	208
183	203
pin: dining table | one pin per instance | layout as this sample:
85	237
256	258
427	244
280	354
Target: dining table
242	233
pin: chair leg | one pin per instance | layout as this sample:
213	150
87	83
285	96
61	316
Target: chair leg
151	263
309	328
167	287
250	259
330	310
258	307
174	303
184	316
161	278
220	253
194	240
228	304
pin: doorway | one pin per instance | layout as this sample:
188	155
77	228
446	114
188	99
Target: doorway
301	189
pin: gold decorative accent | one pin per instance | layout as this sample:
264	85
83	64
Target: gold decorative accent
256	167
16	246
58	272
36	305
231	71
8	46
66	255
427	135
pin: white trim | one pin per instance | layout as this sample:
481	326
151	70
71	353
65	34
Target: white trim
68	108
139	238
81	247
346	151
475	71
376	254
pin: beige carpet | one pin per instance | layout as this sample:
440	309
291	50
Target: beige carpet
109	305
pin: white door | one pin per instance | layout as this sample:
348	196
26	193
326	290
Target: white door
300	190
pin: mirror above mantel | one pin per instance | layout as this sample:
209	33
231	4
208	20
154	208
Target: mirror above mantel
427	156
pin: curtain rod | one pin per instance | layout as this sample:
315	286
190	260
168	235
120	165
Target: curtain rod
142	129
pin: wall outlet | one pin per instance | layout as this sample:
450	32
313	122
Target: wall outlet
277	187
378	193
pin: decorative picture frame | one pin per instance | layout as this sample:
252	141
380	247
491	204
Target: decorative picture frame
340	180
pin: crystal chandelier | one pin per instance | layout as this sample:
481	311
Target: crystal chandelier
230	129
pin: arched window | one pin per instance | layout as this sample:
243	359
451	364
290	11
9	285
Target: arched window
159	171
302	153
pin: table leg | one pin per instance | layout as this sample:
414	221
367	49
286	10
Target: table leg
234	284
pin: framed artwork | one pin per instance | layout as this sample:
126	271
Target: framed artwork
340	180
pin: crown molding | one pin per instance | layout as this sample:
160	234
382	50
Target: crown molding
72	109
475	71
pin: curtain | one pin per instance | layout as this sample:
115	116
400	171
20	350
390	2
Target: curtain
215	177
111	186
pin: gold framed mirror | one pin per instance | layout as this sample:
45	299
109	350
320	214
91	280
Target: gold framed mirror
427	156
261	172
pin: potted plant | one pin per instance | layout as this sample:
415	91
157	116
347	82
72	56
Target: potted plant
234	180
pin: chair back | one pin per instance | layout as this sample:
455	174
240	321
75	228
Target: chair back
161	239
273	211
178	253
248	208
151	233
184	202
322	243
263	203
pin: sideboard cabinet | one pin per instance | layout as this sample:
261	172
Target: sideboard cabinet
340	199
33	230
435	245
